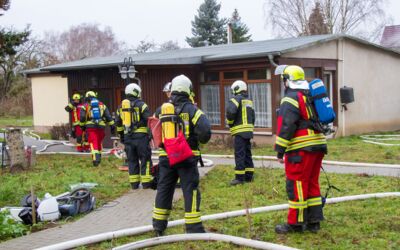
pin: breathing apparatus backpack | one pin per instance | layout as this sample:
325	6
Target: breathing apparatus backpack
95	110
130	115
175	144
322	105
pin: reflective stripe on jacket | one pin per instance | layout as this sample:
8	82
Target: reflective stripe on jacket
294	130
86	119
241	116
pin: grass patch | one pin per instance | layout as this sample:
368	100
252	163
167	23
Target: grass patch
25	121
349	148
369	224
54	173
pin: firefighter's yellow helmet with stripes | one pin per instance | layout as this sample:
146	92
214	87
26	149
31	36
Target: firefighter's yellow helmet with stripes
90	94
293	73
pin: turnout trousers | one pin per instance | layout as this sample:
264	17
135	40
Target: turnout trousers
138	153
81	139
244	168
302	186
95	139
188	173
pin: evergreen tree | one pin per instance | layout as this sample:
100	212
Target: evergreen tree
239	29
207	27
316	22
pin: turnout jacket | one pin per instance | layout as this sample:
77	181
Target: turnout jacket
294	129
241	116
74	109
140	113
197	126
86	116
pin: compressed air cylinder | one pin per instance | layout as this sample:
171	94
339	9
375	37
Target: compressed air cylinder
168	127
126	114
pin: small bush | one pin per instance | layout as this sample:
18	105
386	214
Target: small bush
10	228
60	132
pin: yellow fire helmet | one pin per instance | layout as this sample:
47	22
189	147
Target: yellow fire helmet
76	96
294	75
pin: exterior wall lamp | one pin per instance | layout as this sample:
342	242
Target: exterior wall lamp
128	71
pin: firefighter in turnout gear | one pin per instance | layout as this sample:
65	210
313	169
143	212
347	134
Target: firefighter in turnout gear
241	117
197	129
94	116
131	122
304	148
74	108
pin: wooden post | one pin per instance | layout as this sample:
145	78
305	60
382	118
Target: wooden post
33	207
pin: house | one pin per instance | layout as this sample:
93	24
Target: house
391	37
340	60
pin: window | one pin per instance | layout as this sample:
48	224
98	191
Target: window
310	73
233	75
210	103
260	94
257	74
212	76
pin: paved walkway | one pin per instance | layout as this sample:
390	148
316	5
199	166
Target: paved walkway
131	210
344	169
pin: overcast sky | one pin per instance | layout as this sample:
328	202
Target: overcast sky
135	20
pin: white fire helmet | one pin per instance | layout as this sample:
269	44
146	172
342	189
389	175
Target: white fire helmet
181	84
238	86
133	89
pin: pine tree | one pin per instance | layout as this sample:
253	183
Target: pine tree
316	22
207	27
239	29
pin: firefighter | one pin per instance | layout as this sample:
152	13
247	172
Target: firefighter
304	148
74	108
94	116
241	117
167	91
198	130
131	122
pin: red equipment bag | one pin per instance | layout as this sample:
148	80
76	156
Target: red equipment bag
177	149
156	130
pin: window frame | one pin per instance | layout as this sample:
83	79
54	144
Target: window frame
227	82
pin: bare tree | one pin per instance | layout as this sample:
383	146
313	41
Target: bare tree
169	45
291	17
84	40
145	46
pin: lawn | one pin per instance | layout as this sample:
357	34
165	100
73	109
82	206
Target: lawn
349	148
54	174
369	224
26	121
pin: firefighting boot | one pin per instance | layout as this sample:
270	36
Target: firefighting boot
235	182
313	227
135	185
286	228
159	233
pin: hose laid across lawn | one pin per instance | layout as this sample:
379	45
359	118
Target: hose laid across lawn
144	229
203	237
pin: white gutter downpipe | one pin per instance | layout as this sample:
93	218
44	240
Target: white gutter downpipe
203	237
343	110
144	229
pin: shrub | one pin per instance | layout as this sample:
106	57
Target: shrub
10	228
60	132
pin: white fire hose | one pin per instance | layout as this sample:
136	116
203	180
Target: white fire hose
380	139
203	237
143	229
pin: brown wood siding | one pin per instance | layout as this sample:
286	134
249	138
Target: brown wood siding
109	82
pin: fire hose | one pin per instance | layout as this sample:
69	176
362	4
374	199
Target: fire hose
143	229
